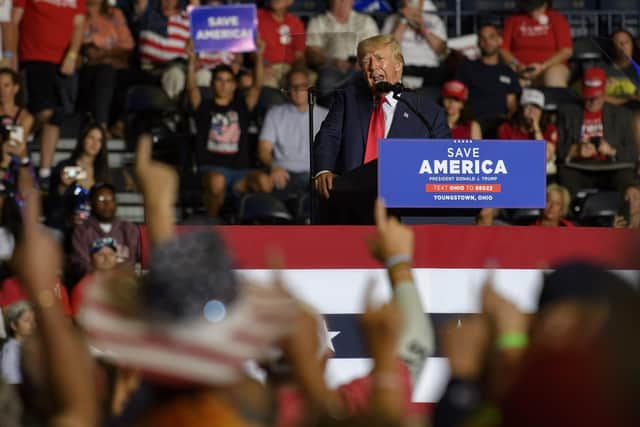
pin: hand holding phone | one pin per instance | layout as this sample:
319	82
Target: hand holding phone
75	173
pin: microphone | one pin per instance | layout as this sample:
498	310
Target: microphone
397	89
384	87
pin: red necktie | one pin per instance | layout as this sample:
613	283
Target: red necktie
376	131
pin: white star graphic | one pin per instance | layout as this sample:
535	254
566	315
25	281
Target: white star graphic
332	335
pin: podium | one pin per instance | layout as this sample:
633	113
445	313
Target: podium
453	179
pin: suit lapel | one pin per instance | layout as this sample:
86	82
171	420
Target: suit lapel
397	124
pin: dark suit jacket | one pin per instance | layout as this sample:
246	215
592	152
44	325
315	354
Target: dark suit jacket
618	132
340	143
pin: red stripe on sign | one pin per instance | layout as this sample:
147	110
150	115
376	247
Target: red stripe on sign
437	246
463	188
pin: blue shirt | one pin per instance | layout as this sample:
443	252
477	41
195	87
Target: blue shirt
10	362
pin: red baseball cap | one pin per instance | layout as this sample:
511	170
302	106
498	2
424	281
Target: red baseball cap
455	89
594	82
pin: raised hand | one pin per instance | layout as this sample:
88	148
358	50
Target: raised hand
392	238
159	183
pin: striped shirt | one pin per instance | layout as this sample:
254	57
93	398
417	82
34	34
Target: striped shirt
210	60
157	48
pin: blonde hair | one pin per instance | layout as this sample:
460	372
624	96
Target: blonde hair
367	45
566	196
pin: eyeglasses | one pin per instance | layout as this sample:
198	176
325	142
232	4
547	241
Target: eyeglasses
102	199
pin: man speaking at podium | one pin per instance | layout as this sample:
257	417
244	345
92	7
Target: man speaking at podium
346	147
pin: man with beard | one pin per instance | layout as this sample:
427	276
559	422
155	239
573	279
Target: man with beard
493	86
103	223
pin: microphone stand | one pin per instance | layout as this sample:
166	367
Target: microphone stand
397	89
311	98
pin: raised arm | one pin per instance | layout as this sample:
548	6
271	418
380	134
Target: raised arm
159	184
69	369
393	245
193	91
253	93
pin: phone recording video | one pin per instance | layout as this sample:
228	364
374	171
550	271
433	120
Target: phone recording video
75	172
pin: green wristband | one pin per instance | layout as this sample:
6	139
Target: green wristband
512	340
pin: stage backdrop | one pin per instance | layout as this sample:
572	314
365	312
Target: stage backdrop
328	268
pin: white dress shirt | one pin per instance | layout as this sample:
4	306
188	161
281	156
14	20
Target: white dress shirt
389	109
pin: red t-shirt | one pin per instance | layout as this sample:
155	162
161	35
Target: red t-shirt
282	39
46	28
462	131
11	291
592	127
356	397
508	131
532	41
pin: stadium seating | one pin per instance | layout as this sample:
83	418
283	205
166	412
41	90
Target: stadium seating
261	208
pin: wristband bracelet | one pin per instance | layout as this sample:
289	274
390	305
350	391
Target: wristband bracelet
397	259
512	340
72	55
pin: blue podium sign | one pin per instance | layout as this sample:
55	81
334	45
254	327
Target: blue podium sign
416	173
224	28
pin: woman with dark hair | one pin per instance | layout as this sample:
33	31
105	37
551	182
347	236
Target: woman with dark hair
537	44
13	117
459	118
72	178
531	122
87	163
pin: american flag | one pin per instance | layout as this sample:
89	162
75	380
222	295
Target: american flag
328	268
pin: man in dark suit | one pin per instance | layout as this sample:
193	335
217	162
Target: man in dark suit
348	138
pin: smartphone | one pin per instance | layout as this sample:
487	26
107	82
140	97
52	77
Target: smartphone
16	134
75	172
595	140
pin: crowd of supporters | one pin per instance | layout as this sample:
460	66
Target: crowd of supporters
236	124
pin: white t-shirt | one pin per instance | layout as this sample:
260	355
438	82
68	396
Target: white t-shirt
340	40
415	49
106	227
